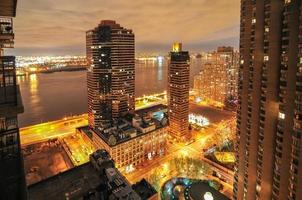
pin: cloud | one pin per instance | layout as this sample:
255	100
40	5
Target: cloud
53	25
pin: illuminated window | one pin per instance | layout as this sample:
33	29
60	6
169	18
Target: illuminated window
281	115
254	21
258	188
287	1
266	58
2	124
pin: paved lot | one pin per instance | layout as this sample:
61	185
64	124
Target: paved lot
44	160
214	115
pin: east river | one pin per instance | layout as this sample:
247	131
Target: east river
52	96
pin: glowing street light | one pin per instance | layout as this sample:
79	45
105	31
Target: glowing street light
208	196
184	152
165	166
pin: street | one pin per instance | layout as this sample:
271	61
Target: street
193	150
204	138
51	130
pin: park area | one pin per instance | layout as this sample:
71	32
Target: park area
182	167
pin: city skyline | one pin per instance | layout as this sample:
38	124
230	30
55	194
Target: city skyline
133	120
36	21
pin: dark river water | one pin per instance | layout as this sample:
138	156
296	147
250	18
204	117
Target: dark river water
48	97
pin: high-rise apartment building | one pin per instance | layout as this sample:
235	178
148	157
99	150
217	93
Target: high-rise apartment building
12	180
231	59
269	127
178	92
217	82
111	75
211	83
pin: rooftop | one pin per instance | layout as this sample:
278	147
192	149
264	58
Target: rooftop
73	183
98	179
202	191
144	189
142	122
110	23
225	49
8	8
10	169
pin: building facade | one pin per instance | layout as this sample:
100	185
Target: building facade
111	73
211	83
12	178
231	59
178	93
217	81
137	150
133	139
269	116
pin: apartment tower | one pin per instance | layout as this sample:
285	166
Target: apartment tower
269	118
231	60
111	74
211	84
178	93
12	178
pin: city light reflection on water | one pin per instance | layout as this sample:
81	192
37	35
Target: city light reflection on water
34	95
48	97
33	84
160	70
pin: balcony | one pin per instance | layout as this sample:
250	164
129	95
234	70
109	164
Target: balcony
8	7
7	71
10	99
6	33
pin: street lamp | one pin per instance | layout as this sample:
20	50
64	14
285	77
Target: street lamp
208	196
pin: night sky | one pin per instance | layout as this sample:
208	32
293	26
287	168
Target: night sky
57	27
